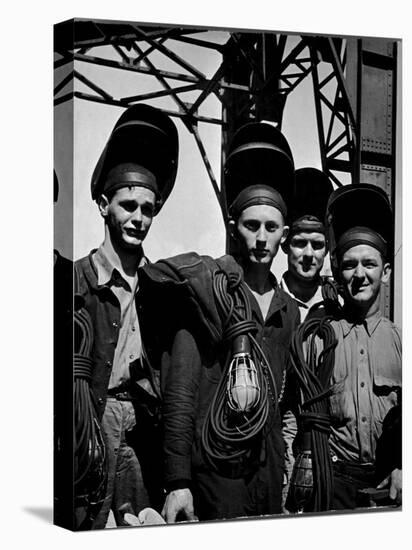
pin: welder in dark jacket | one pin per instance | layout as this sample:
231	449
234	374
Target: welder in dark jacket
132	179
198	484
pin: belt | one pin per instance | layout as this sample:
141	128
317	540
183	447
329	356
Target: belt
359	471
120	394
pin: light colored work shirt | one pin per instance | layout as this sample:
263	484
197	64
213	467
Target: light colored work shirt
129	345
368	371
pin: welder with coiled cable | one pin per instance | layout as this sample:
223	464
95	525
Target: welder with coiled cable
368	354
306	248
132	179
224	363
349	369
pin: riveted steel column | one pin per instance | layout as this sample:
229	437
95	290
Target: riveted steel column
371	77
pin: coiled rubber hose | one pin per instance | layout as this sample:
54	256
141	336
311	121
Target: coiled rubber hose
314	371
226	434
90	453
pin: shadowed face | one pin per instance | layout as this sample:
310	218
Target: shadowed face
129	215
306	253
362	271
259	231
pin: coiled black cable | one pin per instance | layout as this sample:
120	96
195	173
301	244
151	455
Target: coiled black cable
90	453
313	372
226	434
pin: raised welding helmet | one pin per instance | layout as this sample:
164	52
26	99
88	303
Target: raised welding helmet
146	137
308	206
259	155
359	214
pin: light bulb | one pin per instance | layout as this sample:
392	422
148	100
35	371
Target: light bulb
242	386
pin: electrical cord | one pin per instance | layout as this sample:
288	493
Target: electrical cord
226	434
313	372
90	454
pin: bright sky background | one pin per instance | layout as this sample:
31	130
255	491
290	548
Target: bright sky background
191	218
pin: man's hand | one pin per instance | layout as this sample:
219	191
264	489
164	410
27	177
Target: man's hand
178	501
394	480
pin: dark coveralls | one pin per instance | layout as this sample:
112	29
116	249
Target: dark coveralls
191	370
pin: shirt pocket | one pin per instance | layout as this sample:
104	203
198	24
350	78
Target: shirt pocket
387	396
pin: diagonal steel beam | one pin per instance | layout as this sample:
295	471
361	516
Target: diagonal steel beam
300	46
318	108
211	86
344	149
332	107
198	42
130	67
145	70
119	103
282	39
63	61
209	169
119	50
166	85
142	56
63	83
171	55
160	93
289	60
342	82
63	98
91	85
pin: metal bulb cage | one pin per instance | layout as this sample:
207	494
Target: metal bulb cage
243	391
301	487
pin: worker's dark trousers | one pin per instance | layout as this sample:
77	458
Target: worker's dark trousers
257	493
349	478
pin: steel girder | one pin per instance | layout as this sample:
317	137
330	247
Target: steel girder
270	73
353	83
354	86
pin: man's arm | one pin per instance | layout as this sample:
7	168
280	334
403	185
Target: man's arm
179	415
394	481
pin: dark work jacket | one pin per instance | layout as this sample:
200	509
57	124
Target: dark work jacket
191	368
104	309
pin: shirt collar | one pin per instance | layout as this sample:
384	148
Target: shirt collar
108	269
316	298
370	324
277	302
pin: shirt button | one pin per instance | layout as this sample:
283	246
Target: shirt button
362	384
131	356
362	351
115	324
108	363
363	418
100	401
133	328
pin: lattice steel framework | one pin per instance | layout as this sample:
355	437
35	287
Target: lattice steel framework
252	80
256	73
354	87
